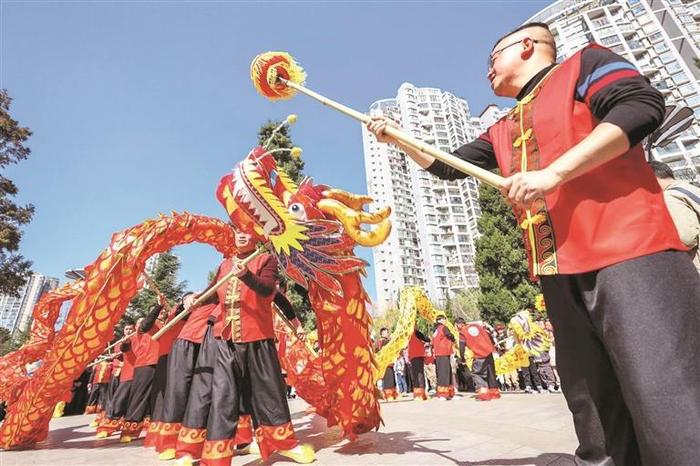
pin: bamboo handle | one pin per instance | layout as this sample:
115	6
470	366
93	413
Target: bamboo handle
207	293
459	164
281	315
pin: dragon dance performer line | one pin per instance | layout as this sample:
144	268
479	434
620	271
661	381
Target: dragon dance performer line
113	421
613	270
247	371
389	378
443	341
416	354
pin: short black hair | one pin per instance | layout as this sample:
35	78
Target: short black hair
520	28
661	170
382	329
460	321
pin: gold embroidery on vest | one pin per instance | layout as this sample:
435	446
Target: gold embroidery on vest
535	222
232	307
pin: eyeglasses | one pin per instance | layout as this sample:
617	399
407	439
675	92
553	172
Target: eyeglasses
496	53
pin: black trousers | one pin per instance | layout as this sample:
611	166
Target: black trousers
199	400
627	355
443	369
120	401
484	373
531	377
417	372
181	362
98	395
251	372
140	394
389	379
160	379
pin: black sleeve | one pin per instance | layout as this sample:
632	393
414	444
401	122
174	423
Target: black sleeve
124	347
285	306
478	152
422	337
150	319
448	334
264	282
617	93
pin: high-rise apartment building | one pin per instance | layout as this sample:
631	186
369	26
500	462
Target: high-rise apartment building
432	242
660	37
16	312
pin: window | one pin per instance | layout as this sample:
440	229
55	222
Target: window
686	89
661	47
679	78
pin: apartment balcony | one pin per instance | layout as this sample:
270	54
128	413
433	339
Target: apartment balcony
627	30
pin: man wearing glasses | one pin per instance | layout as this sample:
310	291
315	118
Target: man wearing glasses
601	242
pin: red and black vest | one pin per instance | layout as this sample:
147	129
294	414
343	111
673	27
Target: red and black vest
477	340
613	213
442	346
416	347
145	348
127	372
102	372
196	325
245	315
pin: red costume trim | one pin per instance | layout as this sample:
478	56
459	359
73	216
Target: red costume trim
190	442
167	435
273	438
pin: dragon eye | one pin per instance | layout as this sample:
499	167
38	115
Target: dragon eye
297	211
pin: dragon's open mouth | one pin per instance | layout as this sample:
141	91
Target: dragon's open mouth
248	199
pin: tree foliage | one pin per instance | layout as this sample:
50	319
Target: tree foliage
501	261
165	277
282	140
14	268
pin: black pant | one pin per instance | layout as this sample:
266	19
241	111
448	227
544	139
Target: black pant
199	399
627	354
111	390
417	372
120	401
484	373
140	394
531	377
250	371
443	368
160	379
98	395
389	379
181	362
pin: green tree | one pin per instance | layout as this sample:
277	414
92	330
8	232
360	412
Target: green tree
500	260
10	342
165	277
465	304
14	268
282	140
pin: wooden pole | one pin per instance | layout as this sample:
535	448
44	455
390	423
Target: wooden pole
281	315
459	164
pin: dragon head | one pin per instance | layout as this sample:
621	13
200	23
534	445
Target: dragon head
311	229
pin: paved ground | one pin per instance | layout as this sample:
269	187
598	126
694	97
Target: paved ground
518	429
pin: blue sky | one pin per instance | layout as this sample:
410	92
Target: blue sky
139	108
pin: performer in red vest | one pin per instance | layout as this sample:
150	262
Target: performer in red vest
389	378
443	342
416	354
599	237
247	371
479	341
113	421
146	351
99	383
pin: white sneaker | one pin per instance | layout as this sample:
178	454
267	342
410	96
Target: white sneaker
528	389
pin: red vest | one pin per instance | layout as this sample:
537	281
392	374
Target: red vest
127	372
442	346
381	343
196	325
613	213
478	340
248	319
145	348
116	367
416	347
102	372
